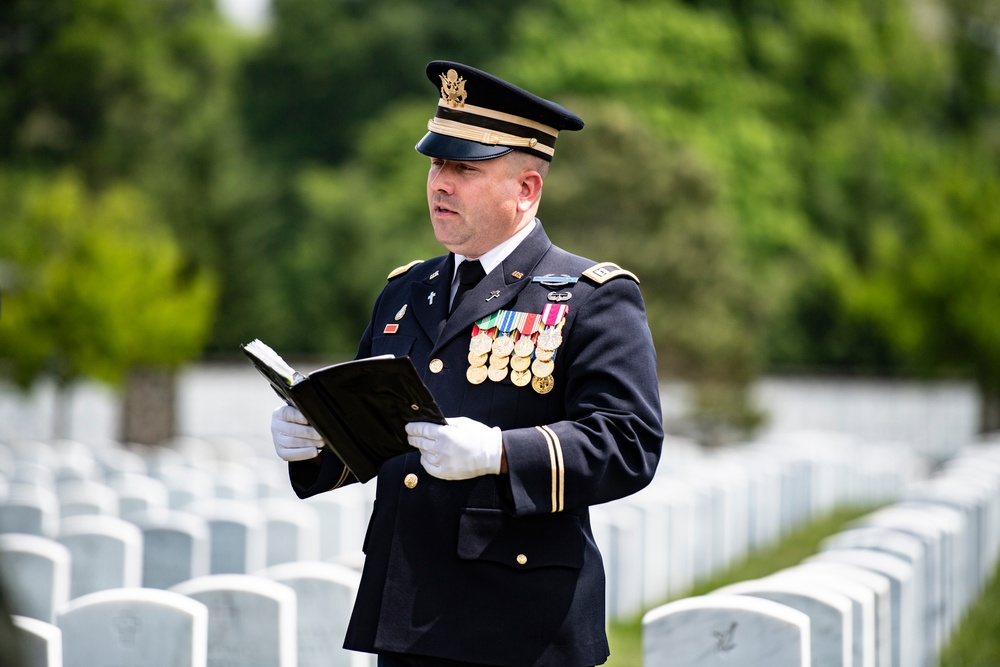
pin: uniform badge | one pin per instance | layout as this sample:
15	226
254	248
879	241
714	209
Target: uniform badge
560	296
402	312
453	89
390	329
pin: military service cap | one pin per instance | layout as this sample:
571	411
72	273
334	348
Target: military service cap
480	117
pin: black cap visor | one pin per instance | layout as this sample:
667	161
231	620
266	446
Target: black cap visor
450	148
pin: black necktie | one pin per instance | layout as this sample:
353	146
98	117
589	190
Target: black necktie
470	272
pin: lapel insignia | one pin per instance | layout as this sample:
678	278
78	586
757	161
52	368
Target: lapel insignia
402	312
390	329
517	274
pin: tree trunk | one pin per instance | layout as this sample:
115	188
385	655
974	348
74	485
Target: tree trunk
62	411
149	408
989	416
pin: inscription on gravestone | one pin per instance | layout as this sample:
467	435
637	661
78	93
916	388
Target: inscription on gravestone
724	640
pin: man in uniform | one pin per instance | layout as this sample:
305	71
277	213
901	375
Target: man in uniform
479	550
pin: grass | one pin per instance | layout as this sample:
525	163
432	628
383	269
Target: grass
976	642
626	637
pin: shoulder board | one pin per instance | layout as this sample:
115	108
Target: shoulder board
400	270
605	271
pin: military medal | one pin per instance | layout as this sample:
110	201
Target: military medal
504	344
481	344
497	374
520	363
477	359
542	368
542	385
476	374
520	378
498	362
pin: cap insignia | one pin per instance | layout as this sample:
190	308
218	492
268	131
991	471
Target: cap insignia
453	89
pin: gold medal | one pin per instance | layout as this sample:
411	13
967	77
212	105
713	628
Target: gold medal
497	374
524	347
549	339
498	362
477	359
542	368
503	346
520	378
544	354
543	385
476	374
480	344
520	363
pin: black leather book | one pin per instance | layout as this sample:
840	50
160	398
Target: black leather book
360	407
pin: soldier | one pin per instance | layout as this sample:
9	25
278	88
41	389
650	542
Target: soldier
479	549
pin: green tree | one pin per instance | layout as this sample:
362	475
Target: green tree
95	285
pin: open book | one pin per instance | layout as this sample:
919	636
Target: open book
360	407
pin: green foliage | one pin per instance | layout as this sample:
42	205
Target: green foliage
95	284
976	642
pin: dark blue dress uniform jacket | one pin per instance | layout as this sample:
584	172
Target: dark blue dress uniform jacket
503	569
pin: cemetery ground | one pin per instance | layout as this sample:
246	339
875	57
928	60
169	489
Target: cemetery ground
976	643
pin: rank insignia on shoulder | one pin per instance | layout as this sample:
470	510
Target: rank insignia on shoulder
605	271
400	270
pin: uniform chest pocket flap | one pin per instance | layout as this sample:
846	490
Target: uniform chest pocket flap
549	540
398	346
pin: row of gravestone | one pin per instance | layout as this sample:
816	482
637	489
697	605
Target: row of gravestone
888	591
706	510
291	615
702	512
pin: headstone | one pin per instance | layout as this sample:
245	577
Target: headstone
343	518
35	573
235	481
40	643
175	547
863	610
251	620
78	497
325	595
880	587
30	509
105	552
901	582
621	546
237	543
138	627
139	493
725	630
292	530
185	484
907	548
830	615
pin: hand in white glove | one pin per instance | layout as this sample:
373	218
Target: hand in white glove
294	439
462	449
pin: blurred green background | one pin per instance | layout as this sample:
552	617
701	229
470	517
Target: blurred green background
801	185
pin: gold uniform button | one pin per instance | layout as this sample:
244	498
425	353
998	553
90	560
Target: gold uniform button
410	481
436	365
521	559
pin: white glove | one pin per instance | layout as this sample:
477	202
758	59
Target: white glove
294	439
462	449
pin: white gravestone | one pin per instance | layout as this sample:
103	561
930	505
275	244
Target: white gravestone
78	497
880	587
40	643
138	627
139	493
325	594
105	552
343	518
237	543
830	615
175	547
251	620
291	529
863	608
35	573
31	510
723	631
900	574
